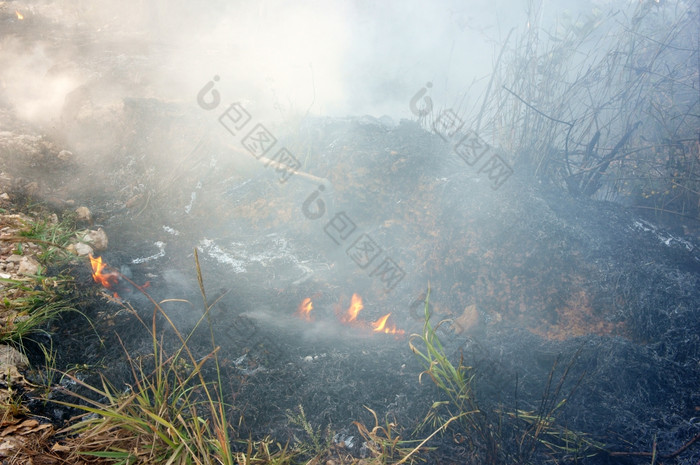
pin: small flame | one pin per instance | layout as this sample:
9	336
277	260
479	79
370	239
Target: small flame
20	16
355	307
380	326
304	310
106	279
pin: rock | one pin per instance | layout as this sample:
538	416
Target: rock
97	239
31	189
468	319
29	266
84	214
5	196
65	155
11	357
11	361
14	258
81	249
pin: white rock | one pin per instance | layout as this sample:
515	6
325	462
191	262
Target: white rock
97	239
82	249
4	196
29	266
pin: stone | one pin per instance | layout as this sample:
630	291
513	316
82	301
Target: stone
5	196
81	249
84	214
97	239
28	266
11	356
467	320
31	189
11	361
65	155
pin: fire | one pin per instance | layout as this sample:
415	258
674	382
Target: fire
380	326
304	310
355	307
350	317
106	279
20	16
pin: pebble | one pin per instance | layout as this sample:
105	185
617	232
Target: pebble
28	266
81	249
11	356
11	360
84	214
65	155
14	258
96	239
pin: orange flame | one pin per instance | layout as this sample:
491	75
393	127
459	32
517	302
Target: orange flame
20	16
304	310
355	307
380	326
106	279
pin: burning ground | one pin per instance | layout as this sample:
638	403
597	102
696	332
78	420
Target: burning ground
306	285
523	276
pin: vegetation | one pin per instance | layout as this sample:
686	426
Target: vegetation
29	302
603	105
618	124
170	414
495	435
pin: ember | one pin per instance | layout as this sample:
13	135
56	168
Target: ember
20	16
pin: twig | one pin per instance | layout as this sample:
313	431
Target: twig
281	166
488	88
27	239
538	111
568	133
663	210
673	454
443	427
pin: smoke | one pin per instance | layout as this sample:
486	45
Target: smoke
283	59
313	57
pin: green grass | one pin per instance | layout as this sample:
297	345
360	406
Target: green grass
52	237
170	414
28	304
497	436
